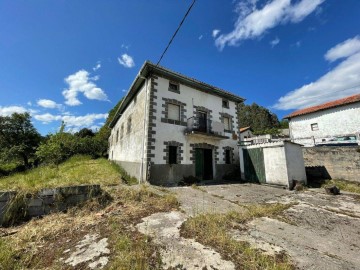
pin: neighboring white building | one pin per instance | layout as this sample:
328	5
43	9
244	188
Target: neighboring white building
331	122
170	126
246	133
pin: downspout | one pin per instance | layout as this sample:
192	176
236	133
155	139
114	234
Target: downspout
144	127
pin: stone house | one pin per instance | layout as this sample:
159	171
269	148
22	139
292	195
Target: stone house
326	122
170	126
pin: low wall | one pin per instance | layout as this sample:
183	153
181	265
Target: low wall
332	162
44	202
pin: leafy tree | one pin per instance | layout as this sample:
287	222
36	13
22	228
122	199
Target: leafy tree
18	138
85	132
284	123
259	118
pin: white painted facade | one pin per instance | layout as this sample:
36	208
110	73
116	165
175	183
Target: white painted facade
128	145
338	121
171	132
283	162
144	151
246	135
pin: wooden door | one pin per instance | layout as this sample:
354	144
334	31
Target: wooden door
254	165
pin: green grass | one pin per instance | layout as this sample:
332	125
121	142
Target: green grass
344	185
77	170
213	230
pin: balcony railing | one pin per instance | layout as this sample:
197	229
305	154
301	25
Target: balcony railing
205	126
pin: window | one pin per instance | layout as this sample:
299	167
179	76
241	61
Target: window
129	126
173	112
227	156
117	135
314	127
174	87
225	103
226	121
173	154
121	131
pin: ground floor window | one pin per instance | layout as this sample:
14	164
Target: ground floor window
228	156
173	154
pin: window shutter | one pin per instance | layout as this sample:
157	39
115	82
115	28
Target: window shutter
227	123
173	112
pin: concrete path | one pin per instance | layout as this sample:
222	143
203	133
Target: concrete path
321	231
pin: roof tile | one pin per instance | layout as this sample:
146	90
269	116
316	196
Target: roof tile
327	105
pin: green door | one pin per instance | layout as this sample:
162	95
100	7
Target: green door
254	165
199	163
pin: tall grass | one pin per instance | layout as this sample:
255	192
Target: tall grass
75	171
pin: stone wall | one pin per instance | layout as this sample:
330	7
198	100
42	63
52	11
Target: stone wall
14	206
333	162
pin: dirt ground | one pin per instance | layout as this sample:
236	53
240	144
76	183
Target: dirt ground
318	231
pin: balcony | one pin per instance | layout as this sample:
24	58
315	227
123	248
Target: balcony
205	128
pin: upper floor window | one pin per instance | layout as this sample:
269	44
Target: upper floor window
225	103
117	135
121	131
226	121
173	112
129	125
174	87
314	127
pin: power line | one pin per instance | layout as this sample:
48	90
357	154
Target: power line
177	30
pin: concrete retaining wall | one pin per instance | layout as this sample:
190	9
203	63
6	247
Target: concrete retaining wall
44	202
334	162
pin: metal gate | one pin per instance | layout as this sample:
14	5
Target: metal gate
254	165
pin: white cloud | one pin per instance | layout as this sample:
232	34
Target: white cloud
9	110
29	103
344	49
126	60
98	65
215	32
80	82
124	90
274	42
200	37
253	22
343	80
49	104
124	46
71	121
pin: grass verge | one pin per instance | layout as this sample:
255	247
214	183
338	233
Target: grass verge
40	243
75	171
213	230
344	185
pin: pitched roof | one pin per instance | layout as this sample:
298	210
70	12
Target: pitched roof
245	129
325	106
149	68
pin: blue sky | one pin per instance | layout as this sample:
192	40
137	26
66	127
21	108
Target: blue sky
73	60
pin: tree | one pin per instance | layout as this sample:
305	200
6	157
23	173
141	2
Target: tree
85	132
259	118
18	138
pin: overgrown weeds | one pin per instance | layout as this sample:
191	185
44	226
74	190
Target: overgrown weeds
77	170
213	230
40	243
344	185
